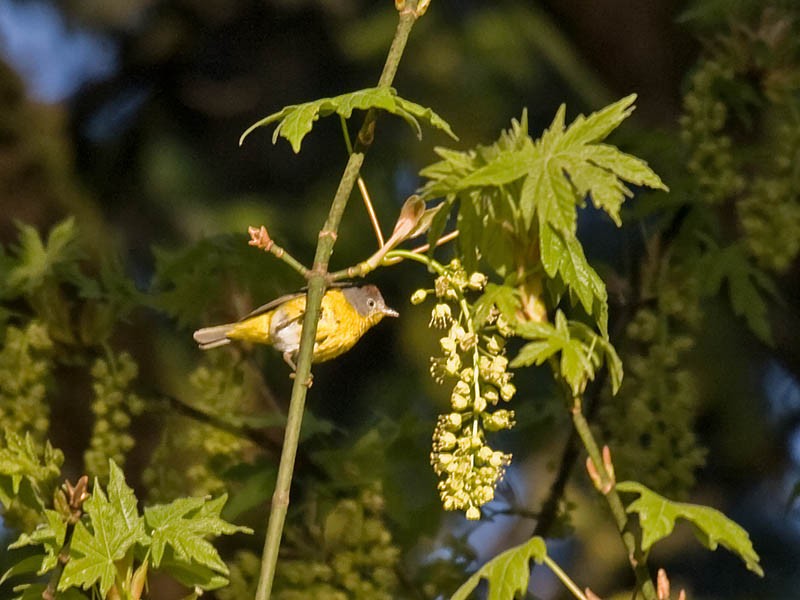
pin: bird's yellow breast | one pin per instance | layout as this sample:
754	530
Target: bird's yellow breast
340	326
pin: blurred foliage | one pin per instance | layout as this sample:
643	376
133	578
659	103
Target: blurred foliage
147	163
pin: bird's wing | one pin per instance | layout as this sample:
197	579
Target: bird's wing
278	301
271	305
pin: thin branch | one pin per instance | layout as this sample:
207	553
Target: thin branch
69	503
259	237
373	218
362	187
565	579
569	456
317	281
423	248
252	434
605	483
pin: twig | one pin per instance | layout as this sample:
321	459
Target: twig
69	503
259	237
253	434
362	187
423	248
373	218
569	456
568	583
603	476
316	287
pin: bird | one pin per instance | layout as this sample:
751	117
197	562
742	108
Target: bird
348	312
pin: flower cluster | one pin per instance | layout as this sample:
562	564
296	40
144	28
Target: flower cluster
113	406
651	422
192	455
733	160
473	358
348	555
24	370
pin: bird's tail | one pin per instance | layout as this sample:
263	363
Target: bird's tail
211	337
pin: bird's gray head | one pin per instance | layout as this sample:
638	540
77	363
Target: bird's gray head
368	301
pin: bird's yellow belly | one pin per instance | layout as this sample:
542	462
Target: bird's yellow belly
338	330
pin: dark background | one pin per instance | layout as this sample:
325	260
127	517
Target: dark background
127	115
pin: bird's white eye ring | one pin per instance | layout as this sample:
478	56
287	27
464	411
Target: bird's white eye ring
371	302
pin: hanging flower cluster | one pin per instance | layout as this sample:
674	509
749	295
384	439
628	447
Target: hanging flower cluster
474	359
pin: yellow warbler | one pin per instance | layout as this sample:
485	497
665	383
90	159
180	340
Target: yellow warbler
347	314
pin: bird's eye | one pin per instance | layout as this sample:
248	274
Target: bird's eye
371	303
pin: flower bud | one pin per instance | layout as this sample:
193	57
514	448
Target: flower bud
441	315
462	388
473	513
477	281
419	296
453	364
458	402
454	420
447	440
495	344
448	344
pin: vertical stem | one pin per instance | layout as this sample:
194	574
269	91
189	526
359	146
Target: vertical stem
635	556
317	280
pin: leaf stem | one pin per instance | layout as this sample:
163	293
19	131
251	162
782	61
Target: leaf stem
565	579
362	187
63	558
317	281
635	556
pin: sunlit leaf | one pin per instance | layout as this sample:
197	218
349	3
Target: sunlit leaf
114	527
508	573
37	260
504	297
657	517
183	525
296	121
21	458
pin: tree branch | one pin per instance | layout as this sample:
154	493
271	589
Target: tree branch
317	281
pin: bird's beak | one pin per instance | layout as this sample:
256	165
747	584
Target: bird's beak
390	312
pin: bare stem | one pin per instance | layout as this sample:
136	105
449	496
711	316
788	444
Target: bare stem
606	484
259	237
317	281
570	585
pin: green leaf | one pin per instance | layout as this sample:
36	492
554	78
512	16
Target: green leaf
582	351
35	591
21	459
183	525
543	182
50	536
504	297
36	261
508	573
747	285
657	517
297	120
192	574
27	566
115	528
507	167
598	125
253	481
563	255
